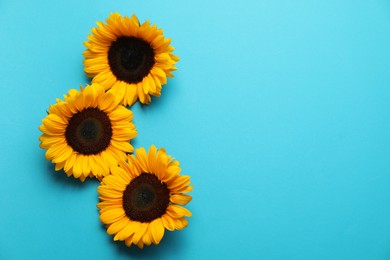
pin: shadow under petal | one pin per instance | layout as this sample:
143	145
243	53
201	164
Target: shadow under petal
171	244
168	91
60	177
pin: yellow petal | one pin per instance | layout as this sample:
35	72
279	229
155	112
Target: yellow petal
59	166
138	235
142	159
110	207
121	113
181	199
156	230
157	72
85	165
147	239
168	222
141	94
178	182
56	150
124	132
108	158
63	155
128	241
118	154
122	173
152	159
178	212
180	223
115	182
107	102
161	164
47	140
174	169
140	244
89	96
112	216
111	202
124	146
130	95
54	122
145	85
108	192
131	228
119	91
151	83
70	162
117	226
97	168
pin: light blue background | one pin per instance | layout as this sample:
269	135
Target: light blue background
279	111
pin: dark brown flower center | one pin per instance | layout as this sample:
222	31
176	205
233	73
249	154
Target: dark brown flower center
130	59
145	198
89	131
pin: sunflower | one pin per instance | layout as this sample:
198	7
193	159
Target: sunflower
141	198
129	59
87	133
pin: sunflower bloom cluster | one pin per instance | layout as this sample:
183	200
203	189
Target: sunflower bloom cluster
129	59
87	134
143	197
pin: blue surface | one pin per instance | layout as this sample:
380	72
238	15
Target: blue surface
279	111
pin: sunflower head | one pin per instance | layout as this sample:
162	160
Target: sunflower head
143	197
129	59
87	132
